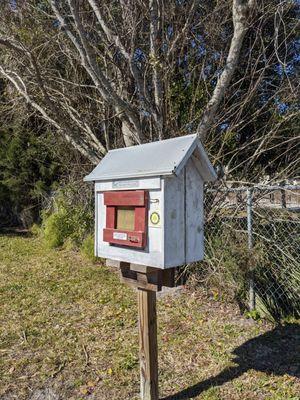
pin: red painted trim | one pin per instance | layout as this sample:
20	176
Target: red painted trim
133	198
125	198
110	217
140	219
134	238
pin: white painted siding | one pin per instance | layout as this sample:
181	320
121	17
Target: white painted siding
128	184
194	214
174	241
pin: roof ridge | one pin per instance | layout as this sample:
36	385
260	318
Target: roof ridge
154	142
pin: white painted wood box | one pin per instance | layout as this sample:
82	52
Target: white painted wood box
149	202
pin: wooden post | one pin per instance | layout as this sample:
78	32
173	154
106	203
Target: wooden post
147	281
148	344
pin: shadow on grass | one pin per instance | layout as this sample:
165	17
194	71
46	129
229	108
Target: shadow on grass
15	232
275	352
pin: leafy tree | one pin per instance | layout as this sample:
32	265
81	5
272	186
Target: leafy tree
28	172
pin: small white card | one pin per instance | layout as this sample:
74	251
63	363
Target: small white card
120	236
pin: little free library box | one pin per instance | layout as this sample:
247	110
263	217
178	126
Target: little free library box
149	219
149	203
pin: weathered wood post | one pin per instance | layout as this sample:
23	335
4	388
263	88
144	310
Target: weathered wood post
148	344
147	281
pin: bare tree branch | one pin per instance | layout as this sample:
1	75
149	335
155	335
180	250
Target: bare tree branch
241	10
127	114
77	143
155	45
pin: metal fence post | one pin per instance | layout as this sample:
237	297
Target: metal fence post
250	247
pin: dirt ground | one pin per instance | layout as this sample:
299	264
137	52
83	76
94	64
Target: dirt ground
68	330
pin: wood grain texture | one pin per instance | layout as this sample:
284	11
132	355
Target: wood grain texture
126	198
134	239
142	268
174	223
112	263
150	280
148	344
110	217
194	219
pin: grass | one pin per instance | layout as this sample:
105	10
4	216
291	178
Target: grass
69	331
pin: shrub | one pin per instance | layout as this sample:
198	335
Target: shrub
57	229
35	230
69	218
88	249
272	262
226	268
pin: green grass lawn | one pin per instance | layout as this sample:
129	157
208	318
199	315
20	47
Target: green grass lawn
69	331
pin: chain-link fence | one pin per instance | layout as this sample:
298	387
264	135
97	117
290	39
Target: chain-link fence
253	246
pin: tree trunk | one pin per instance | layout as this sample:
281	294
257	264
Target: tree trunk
128	135
241	11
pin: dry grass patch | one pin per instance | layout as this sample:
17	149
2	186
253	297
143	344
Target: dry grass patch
69	331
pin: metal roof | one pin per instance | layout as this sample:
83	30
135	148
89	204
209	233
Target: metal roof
165	157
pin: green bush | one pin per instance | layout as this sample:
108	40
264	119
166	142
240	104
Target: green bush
70	219
35	230
88	249
57	229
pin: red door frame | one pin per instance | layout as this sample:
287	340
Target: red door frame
131	198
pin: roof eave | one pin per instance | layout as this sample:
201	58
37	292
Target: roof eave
208	172
94	178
